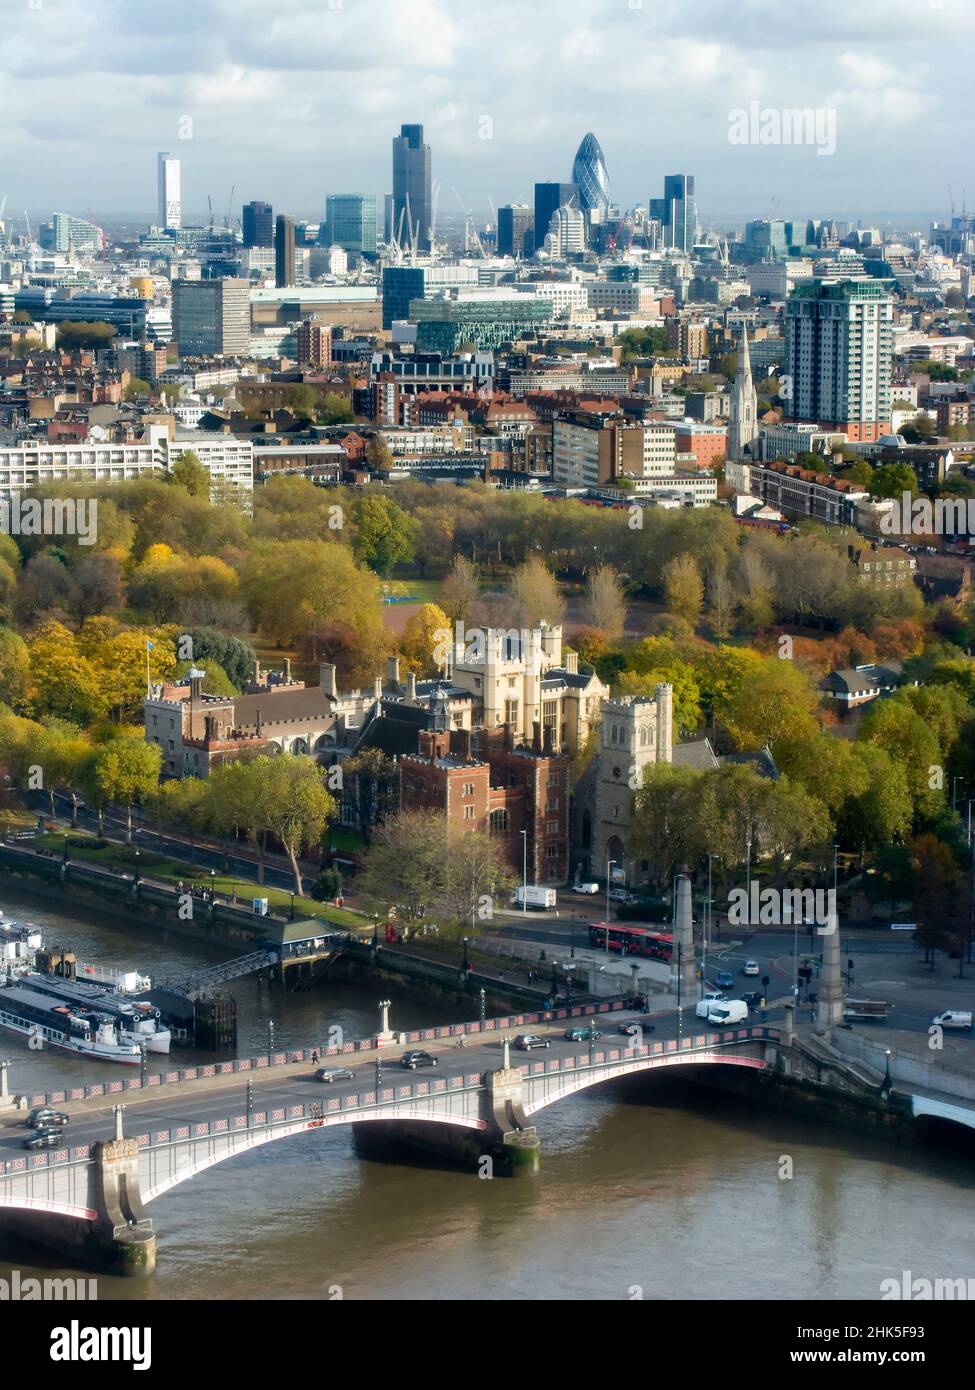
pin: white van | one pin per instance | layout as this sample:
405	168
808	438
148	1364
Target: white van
952	1018
730	1011
705	1005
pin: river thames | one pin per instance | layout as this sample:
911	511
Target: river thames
650	1188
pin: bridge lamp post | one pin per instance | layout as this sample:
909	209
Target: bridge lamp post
483	1002
291	913
887	1078
138	876
250	1102
65	853
379	1078
467	961
143	1062
270	1036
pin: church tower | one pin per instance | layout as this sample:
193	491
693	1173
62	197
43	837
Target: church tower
743	422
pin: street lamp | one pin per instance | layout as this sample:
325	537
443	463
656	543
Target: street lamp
524	873
250	1102
291	914
708	924
572	949
467	963
143	1062
65	860
375	931
137	875
483	1003
270	1036
610	865
887	1079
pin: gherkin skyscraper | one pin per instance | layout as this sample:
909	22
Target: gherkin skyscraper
589	174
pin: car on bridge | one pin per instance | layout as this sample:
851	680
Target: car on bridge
753	998
43	1116
411	1060
589	1034
334	1074
44	1139
527	1042
750	967
724	979
632	1030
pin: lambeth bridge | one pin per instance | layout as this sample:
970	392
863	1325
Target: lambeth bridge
132	1140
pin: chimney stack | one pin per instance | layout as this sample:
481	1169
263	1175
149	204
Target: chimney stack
326	679
287	669
509	738
392	670
377	687
411	685
548	746
258	725
196	688
572	663
536	736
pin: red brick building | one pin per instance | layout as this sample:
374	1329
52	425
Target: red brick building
497	788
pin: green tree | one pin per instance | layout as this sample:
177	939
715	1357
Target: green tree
773	704
83	334
189	473
893	480
125	770
293	804
684	589
406	864
385	534
183	807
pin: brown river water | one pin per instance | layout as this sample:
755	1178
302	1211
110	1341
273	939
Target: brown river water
651	1187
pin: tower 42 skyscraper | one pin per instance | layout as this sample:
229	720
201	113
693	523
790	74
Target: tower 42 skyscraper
412	200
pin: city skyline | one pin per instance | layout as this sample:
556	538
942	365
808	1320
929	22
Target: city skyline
245	106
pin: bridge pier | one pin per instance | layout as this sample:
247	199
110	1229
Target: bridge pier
505	1143
118	1239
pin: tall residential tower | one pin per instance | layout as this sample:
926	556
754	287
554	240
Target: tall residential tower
839	339
170	209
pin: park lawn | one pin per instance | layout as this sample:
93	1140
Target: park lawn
175	871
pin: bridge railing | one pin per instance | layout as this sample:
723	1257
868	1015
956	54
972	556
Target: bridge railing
395	1092
316	1054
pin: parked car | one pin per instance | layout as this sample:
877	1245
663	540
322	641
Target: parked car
43	1139
334	1074
724	980
750	967
620	895
411	1060
587	888
589	1034
527	1042
43	1116
953	1018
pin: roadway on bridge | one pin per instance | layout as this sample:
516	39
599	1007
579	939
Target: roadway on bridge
222	1096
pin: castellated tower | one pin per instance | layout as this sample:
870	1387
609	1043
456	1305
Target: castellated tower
636	731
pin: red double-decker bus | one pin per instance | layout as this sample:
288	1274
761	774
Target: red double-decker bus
632	941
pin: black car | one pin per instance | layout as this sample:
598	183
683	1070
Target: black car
44	1139
753	998
329	1074
411	1060
527	1042
47	1119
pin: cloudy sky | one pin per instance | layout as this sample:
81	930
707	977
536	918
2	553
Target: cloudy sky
290	99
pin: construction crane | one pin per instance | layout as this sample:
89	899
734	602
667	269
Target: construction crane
3	230
470	231
230	203
101	232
